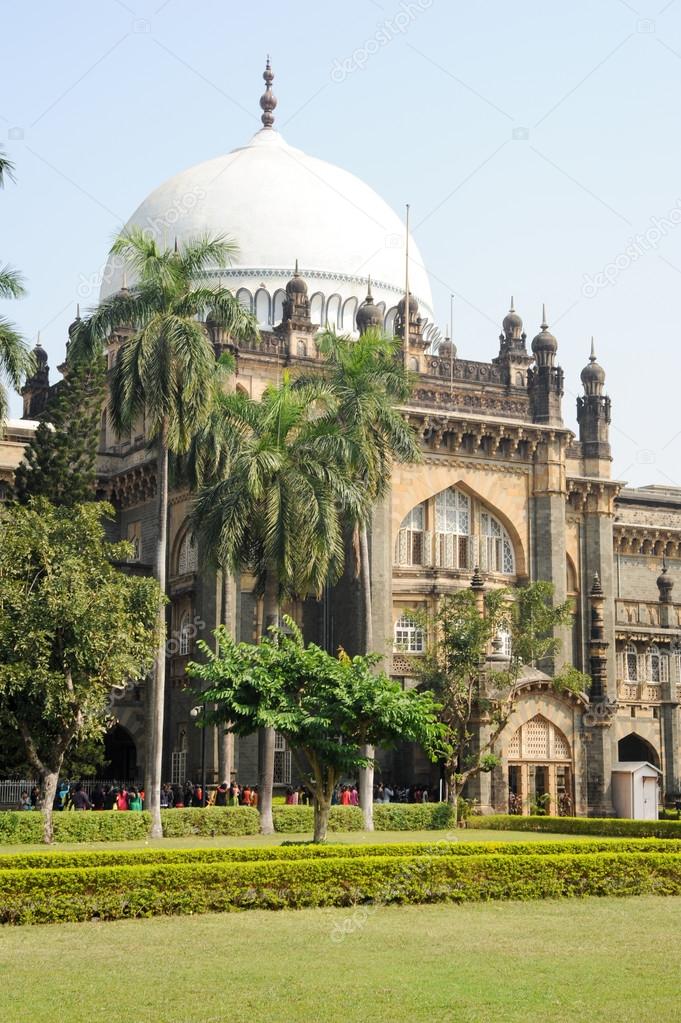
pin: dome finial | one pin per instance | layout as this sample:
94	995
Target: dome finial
592	356
544	324
296	269
370	297
268	100
512	309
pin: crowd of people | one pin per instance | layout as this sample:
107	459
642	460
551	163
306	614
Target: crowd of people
73	796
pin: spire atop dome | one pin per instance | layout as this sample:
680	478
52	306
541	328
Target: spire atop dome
369	315
593	375
512	325
268	100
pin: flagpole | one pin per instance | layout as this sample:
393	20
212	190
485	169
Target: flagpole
451	344
405	321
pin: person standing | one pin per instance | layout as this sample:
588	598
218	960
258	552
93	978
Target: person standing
80	799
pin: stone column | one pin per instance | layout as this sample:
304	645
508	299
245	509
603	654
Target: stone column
598	718
549	502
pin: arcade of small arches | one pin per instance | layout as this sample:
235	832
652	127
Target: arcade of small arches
650	663
331	311
454	531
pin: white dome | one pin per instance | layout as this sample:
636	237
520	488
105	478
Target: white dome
279	205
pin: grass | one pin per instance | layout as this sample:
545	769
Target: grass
564	961
346	837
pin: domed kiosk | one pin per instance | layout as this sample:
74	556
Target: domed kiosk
278	204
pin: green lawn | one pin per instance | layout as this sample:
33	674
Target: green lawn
604	960
347	837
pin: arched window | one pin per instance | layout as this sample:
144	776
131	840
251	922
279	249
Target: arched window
317	308
496	549
245	299
348	314
278	303
301	350
631	662
410	637
262	308
411	540
390	321
188	555
452	529
183	648
333	310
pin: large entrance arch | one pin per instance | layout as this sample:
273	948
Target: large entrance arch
121	755
634	747
540	769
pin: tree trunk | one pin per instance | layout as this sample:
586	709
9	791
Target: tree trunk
48	783
454	790
322	808
153	794
270	617
366	774
226	739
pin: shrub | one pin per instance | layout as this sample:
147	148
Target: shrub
115	892
580	826
412	816
308	851
231	820
292	820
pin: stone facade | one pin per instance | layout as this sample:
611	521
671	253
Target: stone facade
503	485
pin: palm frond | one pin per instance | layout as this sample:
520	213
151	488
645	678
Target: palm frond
11	282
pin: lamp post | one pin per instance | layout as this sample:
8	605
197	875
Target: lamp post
195	713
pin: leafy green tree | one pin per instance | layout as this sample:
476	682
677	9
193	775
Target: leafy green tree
72	628
82	758
368	379
324	706
163	374
16	362
60	461
277	510
473	691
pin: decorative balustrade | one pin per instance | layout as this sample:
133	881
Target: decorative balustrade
644	613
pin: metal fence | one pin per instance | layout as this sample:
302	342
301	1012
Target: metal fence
11	788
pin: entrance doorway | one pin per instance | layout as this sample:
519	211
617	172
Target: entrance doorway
121	754
540	775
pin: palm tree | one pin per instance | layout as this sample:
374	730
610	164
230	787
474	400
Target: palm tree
163	372
369	380
16	362
278	509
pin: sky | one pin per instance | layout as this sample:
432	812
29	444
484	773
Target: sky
538	145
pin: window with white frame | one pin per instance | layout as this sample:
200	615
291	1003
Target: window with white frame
282	761
410	636
496	549
504	636
452	529
184	638
412	540
188	555
631	662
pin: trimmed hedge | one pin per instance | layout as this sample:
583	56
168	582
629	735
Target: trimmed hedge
136	857
18	827
295	820
116	892
579	826
412	816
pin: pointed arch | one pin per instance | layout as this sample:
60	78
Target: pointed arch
633	747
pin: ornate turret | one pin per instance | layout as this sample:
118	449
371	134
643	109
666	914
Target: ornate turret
415	330
296	325
268	100
513	357
545	379
36	390
593	416
369	315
